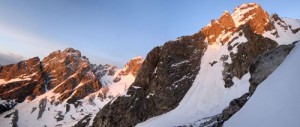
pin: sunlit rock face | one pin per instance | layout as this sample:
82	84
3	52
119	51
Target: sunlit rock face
17	81
252	14
70	74
224	24
58	87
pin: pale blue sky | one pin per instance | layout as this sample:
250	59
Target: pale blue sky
110	31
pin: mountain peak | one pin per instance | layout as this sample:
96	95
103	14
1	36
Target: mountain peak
71	51
226	12
250	14
247	6
253	14
137	58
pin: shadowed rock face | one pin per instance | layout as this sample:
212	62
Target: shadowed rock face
162	81
266	63
259	69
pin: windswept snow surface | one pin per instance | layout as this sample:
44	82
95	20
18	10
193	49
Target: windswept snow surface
117	88
207	96
294	23
276	101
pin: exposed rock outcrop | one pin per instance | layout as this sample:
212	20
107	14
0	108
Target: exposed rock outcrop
61	65
70	74
42	107
15	119
21	80
7	105
246	52
255	16
84	122
164	78
266	63
224	24
252	14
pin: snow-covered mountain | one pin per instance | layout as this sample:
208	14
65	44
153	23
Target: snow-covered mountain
203	79
63	89
200	80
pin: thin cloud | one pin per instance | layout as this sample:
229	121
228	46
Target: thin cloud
32	44
37	44
9	58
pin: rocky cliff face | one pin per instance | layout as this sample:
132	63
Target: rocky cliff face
165	76
251	14
67	72
255	16
266	63
70	75
169	71
246	52
224	24
17	81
